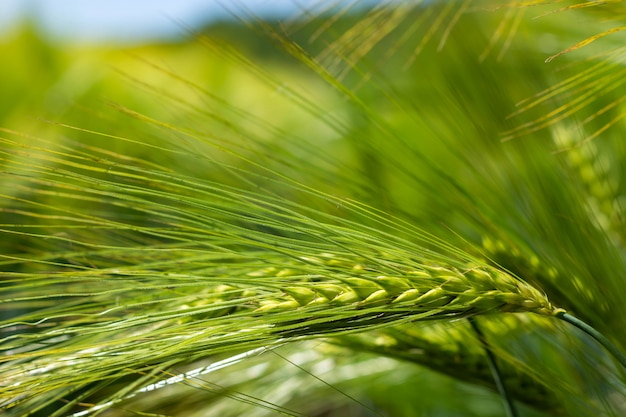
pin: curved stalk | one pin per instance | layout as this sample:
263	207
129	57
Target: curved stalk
509	406
599	337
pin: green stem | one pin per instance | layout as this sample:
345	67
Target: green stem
495	371
599	337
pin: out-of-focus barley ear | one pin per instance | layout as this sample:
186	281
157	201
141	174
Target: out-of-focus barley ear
531	268
598	182
565	290
453	350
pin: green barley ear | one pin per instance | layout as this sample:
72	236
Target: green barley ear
205	276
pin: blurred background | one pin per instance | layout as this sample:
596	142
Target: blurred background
117	21
61	55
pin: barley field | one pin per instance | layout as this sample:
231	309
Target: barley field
399	208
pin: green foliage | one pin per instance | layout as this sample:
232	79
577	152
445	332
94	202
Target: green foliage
331	205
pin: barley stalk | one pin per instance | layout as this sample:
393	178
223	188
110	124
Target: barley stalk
498	378
599	337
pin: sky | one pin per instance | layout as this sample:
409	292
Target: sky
130	20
